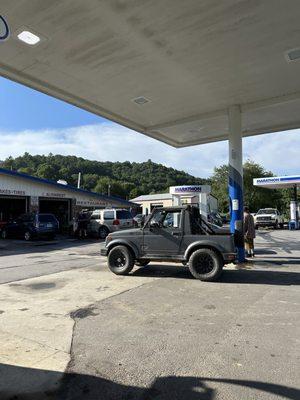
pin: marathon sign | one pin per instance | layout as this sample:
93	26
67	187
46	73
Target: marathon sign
267	180
189	189
277	182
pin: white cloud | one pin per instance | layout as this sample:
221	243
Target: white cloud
278	152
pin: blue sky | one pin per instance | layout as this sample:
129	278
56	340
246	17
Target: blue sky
33	122
25	108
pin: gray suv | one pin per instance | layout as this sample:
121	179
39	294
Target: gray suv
176	234
104	221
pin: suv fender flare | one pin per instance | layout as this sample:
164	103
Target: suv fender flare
122	242
203	244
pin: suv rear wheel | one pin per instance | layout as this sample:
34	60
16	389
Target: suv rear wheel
206	265
120	260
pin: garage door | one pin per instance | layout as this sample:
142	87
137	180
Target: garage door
12	207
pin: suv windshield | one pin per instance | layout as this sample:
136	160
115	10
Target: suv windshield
267	211
123	214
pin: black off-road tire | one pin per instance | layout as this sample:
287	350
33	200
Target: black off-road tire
206	265
120	260
103	232
142	263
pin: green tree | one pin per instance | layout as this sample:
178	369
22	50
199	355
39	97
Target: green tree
26	170
254	197
46	171
89	181
126	179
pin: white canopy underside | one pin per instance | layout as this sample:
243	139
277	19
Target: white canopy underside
190	59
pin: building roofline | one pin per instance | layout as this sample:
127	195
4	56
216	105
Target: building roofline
64	187
155	196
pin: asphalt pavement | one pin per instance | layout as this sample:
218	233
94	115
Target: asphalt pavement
72	330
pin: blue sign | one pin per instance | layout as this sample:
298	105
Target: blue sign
4	29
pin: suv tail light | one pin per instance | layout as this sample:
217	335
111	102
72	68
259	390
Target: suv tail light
116	222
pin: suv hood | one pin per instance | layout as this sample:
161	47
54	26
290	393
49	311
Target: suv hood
266	215
126	232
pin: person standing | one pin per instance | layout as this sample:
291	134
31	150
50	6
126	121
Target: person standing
249	232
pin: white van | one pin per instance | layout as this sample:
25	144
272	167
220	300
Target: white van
103	222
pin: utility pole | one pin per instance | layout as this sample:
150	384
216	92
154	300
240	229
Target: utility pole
79	180
108	191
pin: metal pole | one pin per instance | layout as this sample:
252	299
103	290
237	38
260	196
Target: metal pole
236	178
296	204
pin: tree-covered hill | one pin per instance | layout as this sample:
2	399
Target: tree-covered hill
124	179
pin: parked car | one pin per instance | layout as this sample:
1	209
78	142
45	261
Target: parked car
268	217
31	226
103	222
177	234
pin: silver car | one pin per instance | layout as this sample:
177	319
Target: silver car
103	222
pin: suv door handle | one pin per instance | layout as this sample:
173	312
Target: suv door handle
176	233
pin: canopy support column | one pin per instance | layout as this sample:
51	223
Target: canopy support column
236	178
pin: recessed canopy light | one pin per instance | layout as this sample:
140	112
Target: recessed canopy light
141	100
292	55
29	38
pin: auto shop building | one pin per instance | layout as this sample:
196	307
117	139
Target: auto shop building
20	193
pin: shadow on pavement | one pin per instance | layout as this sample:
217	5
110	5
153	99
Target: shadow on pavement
19	383
268	277
14	246
263	251
163	271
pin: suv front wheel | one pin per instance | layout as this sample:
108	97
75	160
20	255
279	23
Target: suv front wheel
120	260
103	232
206	265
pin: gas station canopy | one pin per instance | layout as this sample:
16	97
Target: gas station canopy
169	69
278	182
